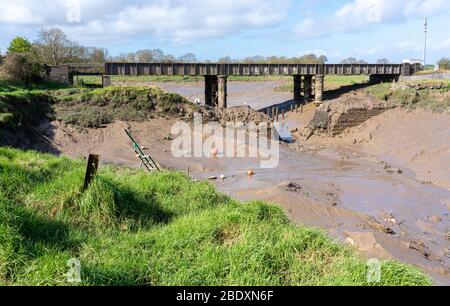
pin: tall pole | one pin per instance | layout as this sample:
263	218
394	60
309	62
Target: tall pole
425	44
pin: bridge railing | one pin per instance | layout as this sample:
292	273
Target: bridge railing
193	69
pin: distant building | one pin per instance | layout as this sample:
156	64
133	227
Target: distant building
412	61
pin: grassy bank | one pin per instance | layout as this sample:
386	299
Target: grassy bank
332	82
93	108
135	228
97	80
86	107
437	100
20	105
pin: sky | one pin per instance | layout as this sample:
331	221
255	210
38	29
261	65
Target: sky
364	29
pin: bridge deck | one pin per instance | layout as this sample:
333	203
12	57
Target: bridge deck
198	69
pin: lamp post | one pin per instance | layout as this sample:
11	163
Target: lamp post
425	44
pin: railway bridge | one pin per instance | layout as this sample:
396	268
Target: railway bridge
308	78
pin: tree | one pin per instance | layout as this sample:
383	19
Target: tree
21	67
54	48
96	55
158	55
444	63
383	61
144	56
188	58
225	60
19	45
349	60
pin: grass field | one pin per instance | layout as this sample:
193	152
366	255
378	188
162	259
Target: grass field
134	228
97	80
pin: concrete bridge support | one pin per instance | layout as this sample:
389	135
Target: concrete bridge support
319	87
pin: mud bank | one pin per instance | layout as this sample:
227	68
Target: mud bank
383	215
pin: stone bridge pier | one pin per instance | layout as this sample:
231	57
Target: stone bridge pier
303	88
216	90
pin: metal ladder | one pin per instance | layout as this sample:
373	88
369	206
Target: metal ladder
146	160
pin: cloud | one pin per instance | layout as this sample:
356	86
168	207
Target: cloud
172	20
361	14
441	45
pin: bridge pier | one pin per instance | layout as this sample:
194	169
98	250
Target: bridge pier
319	86
216	90
222	91
106	81
297	88
211	84
307	88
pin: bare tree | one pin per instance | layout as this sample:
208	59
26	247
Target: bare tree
144	56
54	48
383	61
188	58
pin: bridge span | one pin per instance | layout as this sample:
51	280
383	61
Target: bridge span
308	78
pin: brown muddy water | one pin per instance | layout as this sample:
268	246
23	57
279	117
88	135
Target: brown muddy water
387	215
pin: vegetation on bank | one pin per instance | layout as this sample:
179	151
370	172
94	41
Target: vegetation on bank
85	107
93	108
437	100
332	82
129	80
134	228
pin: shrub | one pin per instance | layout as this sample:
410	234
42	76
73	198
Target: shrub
22	67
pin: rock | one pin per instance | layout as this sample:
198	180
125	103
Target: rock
212	178
435	219
293	187
420	247
367	243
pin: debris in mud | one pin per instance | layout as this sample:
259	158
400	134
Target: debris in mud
435	219
293	187
391	219
212	178
381	227
420	247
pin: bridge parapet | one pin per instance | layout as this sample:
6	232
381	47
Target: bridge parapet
240	69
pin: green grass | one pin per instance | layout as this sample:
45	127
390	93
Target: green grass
332	82
437	100
135	228
93	108
97	80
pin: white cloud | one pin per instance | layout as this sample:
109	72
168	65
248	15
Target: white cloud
360	14
173	20
18	13
442	45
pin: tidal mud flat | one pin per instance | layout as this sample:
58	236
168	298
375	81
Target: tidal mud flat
363	193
